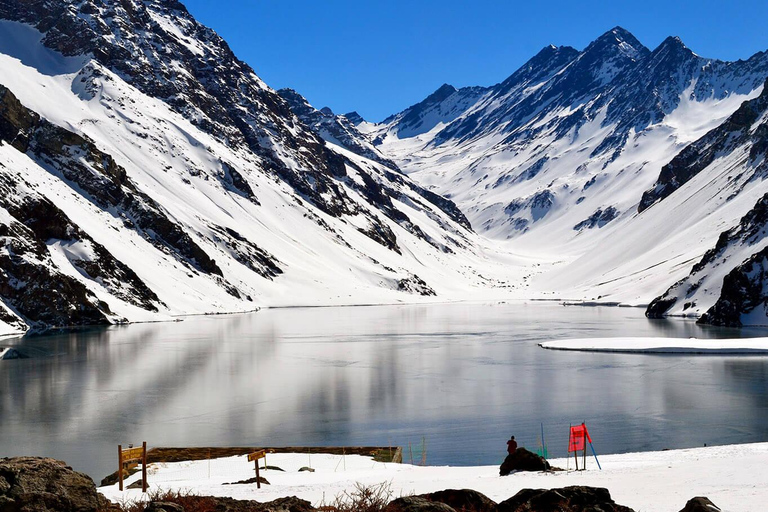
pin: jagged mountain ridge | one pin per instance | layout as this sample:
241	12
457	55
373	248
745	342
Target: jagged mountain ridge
189	187
561	124
559	158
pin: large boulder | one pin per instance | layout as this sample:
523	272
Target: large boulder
463	500
566	499
523	460
700	504
289	504
417	504
36	484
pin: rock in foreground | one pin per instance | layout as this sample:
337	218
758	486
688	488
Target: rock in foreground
463	500
566	499
36	484
700	504
523	460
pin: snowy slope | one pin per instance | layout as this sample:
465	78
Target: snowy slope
571	135
205	212
731	476
562	159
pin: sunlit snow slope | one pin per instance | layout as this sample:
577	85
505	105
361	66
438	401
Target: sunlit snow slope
564	157
146	172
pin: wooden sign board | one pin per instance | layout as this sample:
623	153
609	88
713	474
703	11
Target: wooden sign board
133	454
261	454
131	457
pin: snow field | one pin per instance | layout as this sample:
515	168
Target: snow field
733	477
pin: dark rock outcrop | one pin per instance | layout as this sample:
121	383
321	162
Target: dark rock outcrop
463	500
523	460
744	290
566	499
251	480
163	506
700	504
289	504
36	484
600	218
417	504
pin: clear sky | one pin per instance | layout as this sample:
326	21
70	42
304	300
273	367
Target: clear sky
378	57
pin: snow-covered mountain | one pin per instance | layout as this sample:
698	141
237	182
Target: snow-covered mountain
730	280
565	157
147	172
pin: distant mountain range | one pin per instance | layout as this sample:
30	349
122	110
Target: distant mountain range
147	172
598	158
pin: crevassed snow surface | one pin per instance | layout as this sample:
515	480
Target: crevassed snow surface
733	477
663	345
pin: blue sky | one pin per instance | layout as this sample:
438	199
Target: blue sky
380	57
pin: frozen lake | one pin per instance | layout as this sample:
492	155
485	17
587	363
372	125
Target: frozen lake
463	377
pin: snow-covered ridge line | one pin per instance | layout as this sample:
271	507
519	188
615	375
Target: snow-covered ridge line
745	346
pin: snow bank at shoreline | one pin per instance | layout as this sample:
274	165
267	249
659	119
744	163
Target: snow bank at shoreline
733	477
747	346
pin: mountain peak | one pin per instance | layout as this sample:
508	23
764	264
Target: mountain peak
672	51
673	43
354	117
443	92
619	39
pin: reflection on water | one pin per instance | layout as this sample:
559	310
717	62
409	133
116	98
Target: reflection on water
464	376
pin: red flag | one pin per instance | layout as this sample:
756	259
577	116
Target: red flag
576	438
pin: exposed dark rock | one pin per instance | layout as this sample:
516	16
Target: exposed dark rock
247	252
381	233
415	284
523	460
700	504
744	289
251	480
305	468
463	500
111	479
417	504
163	506
138	484
566	499
36	484
354	118
600	218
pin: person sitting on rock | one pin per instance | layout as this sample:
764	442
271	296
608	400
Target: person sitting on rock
511	445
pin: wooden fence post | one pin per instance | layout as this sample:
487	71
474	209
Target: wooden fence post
120	465
144	467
